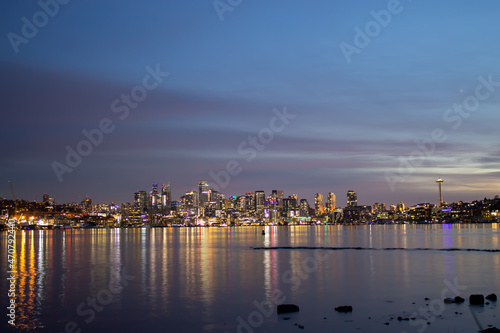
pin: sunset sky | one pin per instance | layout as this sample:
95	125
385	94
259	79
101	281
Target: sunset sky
382	97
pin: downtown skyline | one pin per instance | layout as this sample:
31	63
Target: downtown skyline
382	98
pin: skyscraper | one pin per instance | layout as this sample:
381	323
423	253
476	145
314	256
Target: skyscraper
352	198
154	195
331	202
166	198
318	204
203	192
304	208
46	198
260	198
140	200
278	195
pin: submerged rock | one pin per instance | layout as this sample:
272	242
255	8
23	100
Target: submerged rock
459	299
344	308
491	330
286	308
477	299
492	297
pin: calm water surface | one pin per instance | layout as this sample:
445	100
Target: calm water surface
211	280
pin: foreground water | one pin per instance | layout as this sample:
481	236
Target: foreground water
213	280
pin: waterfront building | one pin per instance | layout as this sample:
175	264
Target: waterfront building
352	198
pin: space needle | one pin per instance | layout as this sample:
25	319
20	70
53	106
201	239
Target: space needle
440	183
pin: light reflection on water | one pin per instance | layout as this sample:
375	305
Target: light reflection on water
204	279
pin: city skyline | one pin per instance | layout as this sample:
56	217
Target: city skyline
102	99
323	202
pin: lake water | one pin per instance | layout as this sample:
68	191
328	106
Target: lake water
212	280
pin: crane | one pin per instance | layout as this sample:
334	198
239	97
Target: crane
14	196
12	189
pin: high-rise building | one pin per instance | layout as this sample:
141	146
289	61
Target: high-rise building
203	192
140	200
166	198
46	198
278	195
304	208
191	200
87	205
401	207
352	198
153	195
318	204
378	208
331	202
260	199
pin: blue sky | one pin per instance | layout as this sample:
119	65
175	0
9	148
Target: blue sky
355	122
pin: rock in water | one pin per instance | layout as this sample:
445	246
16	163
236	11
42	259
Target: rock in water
492	297
344	308
477	299
286	308
449	300
459	299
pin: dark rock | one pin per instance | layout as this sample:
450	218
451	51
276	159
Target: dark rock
459	299
449	300
477	299
400	318
491	330
386	323
344	308
492	297
286	318
287	308
427	298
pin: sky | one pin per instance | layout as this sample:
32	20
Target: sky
104	98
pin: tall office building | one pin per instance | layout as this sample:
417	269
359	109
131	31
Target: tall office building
352	198
331	202
318	204
166	198
203	192
378	208
304	208
140	199
260	199
87	205
153	195
46	198
278	195
191	200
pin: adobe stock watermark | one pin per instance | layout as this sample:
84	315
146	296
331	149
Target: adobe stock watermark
250	147
265	308
11	272
223	6
121	107
453	118
103	297
372	29
434	308
30	28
